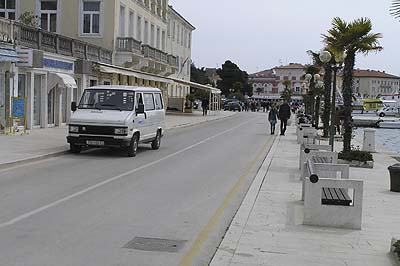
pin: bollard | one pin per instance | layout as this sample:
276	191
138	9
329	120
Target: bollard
369	140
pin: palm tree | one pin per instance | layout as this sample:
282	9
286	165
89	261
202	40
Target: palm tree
395	9
287	93
354	37
311	105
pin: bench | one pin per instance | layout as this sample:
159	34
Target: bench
299	131
306	148
327	201
307	154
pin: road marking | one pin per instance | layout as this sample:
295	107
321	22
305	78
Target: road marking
79	193
187	260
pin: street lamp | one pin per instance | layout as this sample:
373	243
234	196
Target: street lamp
325	57
313	82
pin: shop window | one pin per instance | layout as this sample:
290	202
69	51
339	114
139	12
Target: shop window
48	15
7	9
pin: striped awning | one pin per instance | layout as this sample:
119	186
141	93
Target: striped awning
8	55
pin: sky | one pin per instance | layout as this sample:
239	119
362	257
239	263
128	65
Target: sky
262	34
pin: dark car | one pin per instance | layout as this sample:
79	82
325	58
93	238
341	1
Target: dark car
233	106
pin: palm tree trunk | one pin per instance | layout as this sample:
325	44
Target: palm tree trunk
327	98
316	115
347	98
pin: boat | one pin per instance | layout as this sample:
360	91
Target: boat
389	124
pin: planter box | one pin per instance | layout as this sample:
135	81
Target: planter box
188	110
395	256
359	164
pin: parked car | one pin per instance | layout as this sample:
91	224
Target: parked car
388	111
233	106
117	116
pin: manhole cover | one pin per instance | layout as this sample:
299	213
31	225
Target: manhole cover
155	244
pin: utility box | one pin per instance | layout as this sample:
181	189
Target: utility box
369	140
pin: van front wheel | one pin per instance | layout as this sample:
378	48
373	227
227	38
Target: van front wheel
156	143
132	149
74	148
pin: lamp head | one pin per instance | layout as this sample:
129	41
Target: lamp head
325	56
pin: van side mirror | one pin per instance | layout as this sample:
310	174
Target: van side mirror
73	106
140	109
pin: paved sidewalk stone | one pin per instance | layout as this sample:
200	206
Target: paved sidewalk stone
274	235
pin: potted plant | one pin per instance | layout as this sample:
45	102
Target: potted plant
395	250
357	158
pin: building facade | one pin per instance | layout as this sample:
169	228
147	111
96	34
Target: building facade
71	45
269	84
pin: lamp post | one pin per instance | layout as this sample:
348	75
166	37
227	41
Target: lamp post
326	57
313	82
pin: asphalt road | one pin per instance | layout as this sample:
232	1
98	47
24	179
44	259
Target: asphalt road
101	208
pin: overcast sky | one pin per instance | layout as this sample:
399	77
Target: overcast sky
261	34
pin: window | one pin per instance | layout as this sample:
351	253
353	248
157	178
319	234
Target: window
182	36
169	28
139	100
177	34
91	17
7	9
131	21
146	32
158	101
163	41
158	38
139	28
152	32
173	31
48	15
190	40
149	101
121	21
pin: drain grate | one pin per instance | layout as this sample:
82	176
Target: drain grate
155	244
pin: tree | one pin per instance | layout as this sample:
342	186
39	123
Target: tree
29	19
198	75
354	37
312	92
395	9
230	74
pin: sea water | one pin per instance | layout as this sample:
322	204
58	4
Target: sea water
388	137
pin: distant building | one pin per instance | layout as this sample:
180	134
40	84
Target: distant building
268	84
372	83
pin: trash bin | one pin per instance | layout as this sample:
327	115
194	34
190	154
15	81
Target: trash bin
394	171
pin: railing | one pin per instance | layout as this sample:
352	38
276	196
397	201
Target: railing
12	31
6	33
173	61
164	58
128	44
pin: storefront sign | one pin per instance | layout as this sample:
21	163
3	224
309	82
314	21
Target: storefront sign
51	63
18	108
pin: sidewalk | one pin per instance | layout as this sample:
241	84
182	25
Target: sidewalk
41	143
268	229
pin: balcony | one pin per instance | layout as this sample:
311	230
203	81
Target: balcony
129	44
12	31
128	52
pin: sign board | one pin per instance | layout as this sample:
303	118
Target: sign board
52	63
29	58
18	108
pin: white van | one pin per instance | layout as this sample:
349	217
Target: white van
117	116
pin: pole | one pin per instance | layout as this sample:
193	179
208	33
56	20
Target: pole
333	110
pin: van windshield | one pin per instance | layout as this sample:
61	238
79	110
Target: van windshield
103	99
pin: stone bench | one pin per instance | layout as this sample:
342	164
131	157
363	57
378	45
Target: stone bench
306	148
329	157
327	201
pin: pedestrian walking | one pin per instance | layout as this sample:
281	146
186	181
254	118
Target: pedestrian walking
284	115
204	106
273	118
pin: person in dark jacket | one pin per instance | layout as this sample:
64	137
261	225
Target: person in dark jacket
273	118
284	115
204	106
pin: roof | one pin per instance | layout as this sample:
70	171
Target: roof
181	17
367	73
263	74
292	66
125	88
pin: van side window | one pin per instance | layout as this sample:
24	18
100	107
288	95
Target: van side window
139	99
158	101
149	101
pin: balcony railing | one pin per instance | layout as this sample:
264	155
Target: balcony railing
128	44
173	61
12	31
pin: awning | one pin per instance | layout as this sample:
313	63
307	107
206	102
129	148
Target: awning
8	55
132	73
197	86
63	81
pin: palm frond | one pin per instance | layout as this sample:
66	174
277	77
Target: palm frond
395	9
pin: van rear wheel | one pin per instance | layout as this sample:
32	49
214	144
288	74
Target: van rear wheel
156	143
132	149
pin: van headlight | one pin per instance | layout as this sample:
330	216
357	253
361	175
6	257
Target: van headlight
74	129
123	131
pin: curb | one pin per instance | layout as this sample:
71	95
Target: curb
227	247
33	159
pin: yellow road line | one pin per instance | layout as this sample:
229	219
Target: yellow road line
202	237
